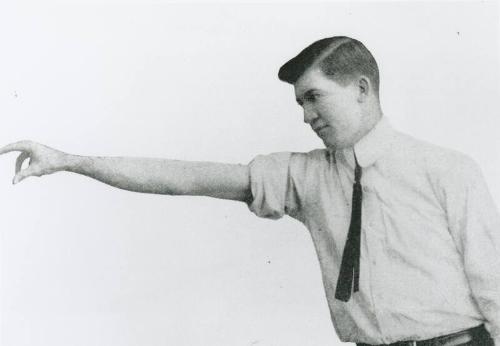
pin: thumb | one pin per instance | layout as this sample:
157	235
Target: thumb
28	172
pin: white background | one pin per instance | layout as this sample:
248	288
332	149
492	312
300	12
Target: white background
85	264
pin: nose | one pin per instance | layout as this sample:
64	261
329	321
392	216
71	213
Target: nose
309	115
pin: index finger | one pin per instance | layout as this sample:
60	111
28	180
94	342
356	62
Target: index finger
17	146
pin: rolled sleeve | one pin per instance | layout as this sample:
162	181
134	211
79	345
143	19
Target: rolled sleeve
268	183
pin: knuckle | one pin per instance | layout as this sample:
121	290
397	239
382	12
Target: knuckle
23	142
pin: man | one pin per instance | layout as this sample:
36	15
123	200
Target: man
406	233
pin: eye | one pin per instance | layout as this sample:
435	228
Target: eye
311	97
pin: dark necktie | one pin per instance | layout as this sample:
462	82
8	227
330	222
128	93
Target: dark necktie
349	269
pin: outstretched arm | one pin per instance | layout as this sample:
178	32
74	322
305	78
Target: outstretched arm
148	175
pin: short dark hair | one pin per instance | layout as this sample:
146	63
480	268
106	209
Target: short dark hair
340	57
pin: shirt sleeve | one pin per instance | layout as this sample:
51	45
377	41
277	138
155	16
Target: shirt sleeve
474	223
272	186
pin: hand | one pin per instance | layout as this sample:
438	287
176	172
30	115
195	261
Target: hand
42	159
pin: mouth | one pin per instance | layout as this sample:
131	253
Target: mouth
320	128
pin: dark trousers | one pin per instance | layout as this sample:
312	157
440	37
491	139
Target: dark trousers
477	336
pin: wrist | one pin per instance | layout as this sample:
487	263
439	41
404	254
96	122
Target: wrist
73	163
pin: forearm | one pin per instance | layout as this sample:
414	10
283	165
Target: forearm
161	176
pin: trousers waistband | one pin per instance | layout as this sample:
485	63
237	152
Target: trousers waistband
479	335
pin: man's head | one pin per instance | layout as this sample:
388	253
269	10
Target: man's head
336	81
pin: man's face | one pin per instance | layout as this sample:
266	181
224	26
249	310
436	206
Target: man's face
332	110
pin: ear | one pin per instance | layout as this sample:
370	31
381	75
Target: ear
364	88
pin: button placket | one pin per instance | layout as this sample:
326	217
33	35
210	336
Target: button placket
370	259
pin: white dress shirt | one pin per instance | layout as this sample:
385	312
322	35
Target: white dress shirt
430	238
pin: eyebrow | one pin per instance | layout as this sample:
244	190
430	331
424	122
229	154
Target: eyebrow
306	94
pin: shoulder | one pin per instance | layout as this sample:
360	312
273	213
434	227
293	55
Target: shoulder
307	163
293	162
315	155
435	159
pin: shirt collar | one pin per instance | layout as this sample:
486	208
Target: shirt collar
372	146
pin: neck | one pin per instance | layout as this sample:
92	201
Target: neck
370	119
